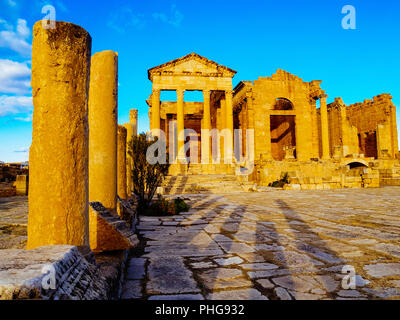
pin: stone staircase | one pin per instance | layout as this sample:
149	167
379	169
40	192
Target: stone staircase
212	183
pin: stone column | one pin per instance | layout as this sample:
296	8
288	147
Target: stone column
133	119
324	128
155	109
58	160
205	135
121	161
268	151
229	126
129	135
103	113
180	124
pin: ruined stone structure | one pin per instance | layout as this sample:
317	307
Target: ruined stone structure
331	146
58	159
71	165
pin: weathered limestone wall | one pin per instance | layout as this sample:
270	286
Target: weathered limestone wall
367	116
103	121
266	91
121	160
343	135
318	175
58	184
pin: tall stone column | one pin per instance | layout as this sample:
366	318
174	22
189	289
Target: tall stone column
103	113
129	135
155	109
324	128
268	151
221	142
229	126
180	125
133	119
205	135
58	159
121	161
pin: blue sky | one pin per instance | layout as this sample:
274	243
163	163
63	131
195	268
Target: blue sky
254	37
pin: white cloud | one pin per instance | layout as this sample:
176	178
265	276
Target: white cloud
124	19
16	38
22	150
15	105
175	19
14	77
11	3
57	4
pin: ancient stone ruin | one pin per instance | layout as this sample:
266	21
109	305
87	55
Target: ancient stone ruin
73	174
333	146
261	133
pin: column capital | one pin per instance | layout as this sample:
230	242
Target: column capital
323	96
156	91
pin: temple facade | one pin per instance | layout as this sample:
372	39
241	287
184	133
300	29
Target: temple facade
270	127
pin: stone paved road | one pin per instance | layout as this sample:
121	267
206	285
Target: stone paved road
272	245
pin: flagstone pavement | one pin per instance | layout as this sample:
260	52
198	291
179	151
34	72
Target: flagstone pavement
275	245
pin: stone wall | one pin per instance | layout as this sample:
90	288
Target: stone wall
367	116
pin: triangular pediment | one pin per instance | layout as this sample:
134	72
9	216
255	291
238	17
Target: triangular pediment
192	64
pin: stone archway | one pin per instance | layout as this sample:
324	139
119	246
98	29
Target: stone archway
356	163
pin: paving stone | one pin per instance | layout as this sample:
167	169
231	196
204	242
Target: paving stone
228	261
168	275
306	296
259	266
327	282
282	294
363	241
350	294
396	283
132	289
177	297
380	270
390	249
224	284
292	258
202	265
265	283
136	269
303	284
221	238
221	274
247	294
267	273
252	257
382	292
236	247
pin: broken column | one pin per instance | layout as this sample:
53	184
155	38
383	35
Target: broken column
58	160
121	160
103	117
